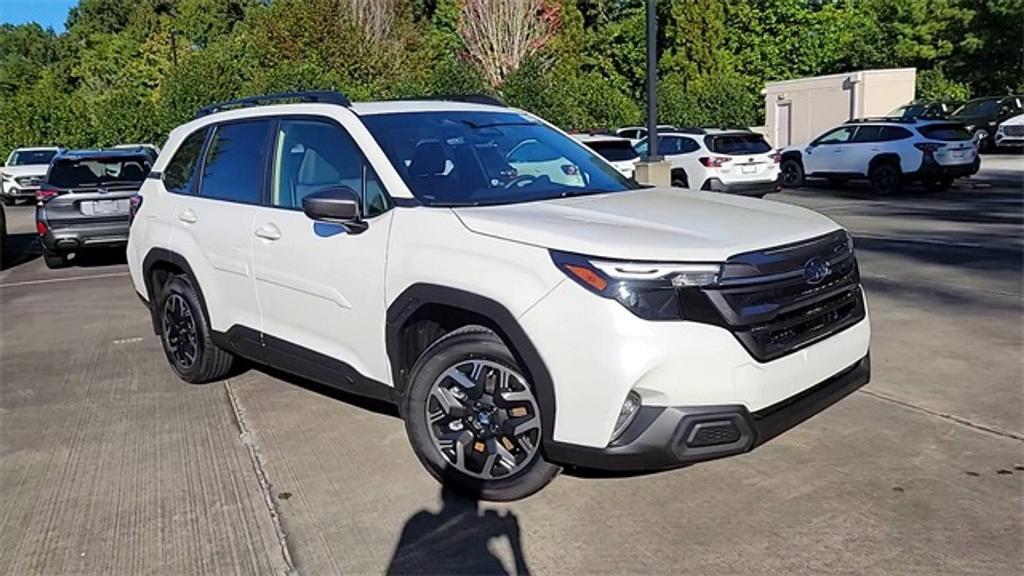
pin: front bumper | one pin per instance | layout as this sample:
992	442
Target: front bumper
15	191
662	438
757	188
70	238
1009	141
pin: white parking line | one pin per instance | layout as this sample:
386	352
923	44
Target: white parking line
127	341
56	280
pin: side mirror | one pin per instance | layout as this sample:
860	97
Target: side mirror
338	205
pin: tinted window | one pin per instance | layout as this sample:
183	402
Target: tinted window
978	108
837	136
945	132
614	150
671	145
868	134
890	133
457	158
738	144
180	171
26	157
233	169
93	172
312	155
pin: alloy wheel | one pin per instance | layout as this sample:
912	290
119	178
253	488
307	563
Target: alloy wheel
180	332
483	419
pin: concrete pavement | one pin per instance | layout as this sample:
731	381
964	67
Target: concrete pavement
111	465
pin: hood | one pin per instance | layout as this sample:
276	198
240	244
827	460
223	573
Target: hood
1014	121
26	170
653	224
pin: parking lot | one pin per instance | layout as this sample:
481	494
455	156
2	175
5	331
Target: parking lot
111	465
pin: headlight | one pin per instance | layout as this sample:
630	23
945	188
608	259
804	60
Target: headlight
5	175
647	289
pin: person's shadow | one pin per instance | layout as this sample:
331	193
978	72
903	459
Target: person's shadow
455	540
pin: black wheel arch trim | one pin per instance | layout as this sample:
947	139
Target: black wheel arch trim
164	256
885	157
419	295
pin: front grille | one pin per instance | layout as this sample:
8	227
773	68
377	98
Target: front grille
1014	130
768	303
28	180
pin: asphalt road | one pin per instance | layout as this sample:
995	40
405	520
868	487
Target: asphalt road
111	465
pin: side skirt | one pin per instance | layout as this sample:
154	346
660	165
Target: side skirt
294	359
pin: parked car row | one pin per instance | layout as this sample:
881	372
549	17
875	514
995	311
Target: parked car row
982	117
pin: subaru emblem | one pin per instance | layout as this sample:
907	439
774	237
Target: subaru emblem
816	270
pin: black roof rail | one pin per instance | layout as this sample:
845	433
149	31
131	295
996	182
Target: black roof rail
467	98
892	119
319	96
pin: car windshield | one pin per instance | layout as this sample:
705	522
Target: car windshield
978	108
92	172
737	144
481	158
908	111
614	150
27	157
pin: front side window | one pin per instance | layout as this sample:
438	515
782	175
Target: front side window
29	157
311	155
477	158
837	136
97	171
233	168
180	172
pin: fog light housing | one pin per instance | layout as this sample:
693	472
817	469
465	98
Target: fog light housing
626	414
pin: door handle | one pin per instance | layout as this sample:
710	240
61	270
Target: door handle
188	217
268	232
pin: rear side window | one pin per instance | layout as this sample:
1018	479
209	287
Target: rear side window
868	134
737	144
180	171
890	133
614	150
95	172
945	132
233	168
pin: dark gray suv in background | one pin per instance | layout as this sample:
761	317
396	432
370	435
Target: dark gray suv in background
87	201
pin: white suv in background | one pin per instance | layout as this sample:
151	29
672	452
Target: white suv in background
521	322
886	151
24	171
733	161
1011	132
618	151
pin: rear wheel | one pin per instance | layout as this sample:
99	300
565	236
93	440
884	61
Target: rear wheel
473	418
185	334
792	173
55	261
886	178
680	179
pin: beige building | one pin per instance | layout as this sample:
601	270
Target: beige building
800	110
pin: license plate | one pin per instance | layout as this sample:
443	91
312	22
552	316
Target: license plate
105	207
748	169
959	154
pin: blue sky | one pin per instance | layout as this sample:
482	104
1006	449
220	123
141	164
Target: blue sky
51	13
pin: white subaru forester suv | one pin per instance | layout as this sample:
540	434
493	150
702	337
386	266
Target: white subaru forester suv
520	321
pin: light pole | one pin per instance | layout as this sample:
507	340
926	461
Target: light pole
652	83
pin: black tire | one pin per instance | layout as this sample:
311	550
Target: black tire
838	181
886	178
471	343
184	328
55	261
680	179
792	173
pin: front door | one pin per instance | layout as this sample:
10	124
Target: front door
827	154
321	287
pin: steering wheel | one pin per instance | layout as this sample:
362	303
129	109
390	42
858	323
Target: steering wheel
520	181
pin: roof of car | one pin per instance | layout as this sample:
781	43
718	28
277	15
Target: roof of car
110	153
37	149
404	106
599	138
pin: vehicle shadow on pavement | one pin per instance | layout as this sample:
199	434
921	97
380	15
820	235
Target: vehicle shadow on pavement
20	249
457	539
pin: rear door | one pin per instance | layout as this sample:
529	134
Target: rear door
215	226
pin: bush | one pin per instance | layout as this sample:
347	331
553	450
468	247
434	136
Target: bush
720	98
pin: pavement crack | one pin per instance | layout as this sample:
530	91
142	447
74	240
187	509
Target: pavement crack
249	441
946	416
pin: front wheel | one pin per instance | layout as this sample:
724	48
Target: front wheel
473	418
792	173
